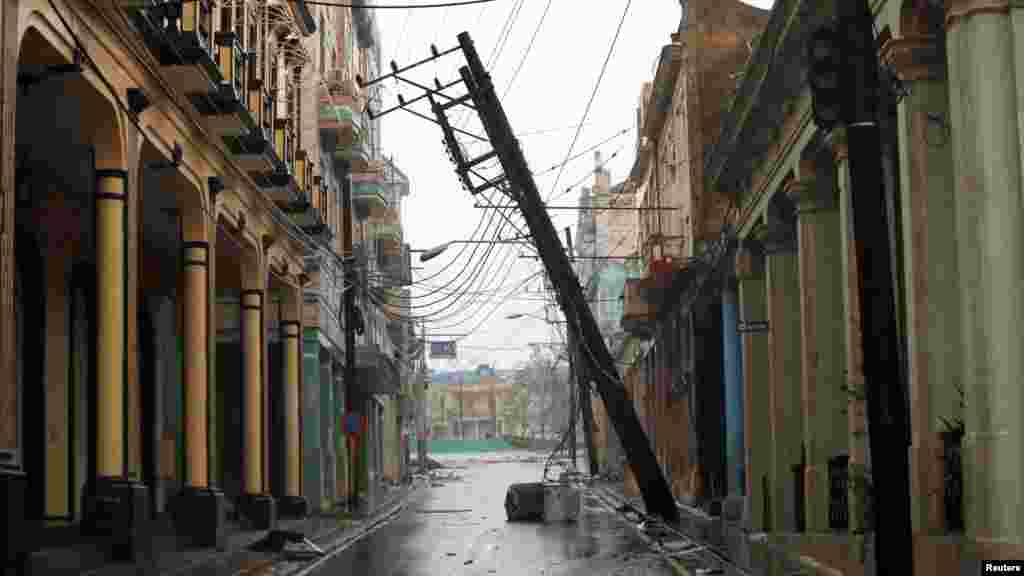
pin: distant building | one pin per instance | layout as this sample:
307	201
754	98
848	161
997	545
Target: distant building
464	403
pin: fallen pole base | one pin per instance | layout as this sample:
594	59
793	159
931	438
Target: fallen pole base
542	502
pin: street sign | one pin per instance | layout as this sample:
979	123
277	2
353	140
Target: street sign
445	349
752	326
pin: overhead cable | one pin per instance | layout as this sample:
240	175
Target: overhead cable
593	94
398	6
526	53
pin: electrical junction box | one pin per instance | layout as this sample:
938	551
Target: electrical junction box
562	502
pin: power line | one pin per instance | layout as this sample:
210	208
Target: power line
581	154
527	52
504	39
398	6
597	85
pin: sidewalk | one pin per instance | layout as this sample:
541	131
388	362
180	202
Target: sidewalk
701	543
164	557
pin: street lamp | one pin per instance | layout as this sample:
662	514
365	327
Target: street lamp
528	315
431	253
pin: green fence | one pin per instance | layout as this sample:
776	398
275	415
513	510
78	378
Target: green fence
457	446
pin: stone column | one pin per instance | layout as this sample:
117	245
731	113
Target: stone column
783	304
293	504
732	357
930	252
111	203
750	274
856	407
258	506
199	509
111	493
985	44
822	357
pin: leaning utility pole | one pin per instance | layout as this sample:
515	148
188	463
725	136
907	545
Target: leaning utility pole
582	386
846	89
571	353
657	495
517	182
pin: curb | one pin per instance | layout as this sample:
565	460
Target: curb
613	502
343	542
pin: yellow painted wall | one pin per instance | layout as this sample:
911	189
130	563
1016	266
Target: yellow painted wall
56	387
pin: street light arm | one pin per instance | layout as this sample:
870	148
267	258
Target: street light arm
434	252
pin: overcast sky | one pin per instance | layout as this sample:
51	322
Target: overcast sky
544	104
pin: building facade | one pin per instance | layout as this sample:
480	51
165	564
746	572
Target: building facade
178	169
762	418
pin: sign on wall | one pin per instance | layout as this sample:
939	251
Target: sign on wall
445	349
752	326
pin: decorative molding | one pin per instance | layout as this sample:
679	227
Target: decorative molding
957	10
914	58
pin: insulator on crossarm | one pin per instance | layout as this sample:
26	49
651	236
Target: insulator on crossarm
401	100
394	67
437	83
434	52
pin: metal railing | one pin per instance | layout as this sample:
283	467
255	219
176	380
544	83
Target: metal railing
839	492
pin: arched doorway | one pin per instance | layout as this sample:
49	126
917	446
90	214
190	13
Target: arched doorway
64	128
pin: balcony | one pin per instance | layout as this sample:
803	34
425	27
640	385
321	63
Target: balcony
307	211
206	64
368	194
226	112
376	372
357	154
181	36
389	242
343	83
278	178
638	313
340	125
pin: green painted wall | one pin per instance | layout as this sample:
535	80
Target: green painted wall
753	308
784	317
311	469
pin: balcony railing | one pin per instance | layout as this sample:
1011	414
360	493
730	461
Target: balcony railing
638	313
301	168
339	120
368	193
231	60
196	27
283	141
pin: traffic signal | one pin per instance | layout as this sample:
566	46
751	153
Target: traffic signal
829	74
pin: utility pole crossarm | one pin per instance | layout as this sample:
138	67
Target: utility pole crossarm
594	353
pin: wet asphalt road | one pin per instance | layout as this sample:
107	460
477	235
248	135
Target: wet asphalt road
457	526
